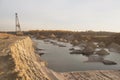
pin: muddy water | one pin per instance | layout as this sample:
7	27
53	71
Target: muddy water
60	60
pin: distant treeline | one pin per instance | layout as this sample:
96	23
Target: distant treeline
62	32
101	36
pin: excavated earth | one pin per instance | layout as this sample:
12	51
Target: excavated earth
18	61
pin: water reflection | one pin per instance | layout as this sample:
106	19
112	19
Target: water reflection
95	58
59	59
98	58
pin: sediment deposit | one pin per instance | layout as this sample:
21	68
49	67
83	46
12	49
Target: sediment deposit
93	75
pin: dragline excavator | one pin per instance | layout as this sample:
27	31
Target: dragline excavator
18	28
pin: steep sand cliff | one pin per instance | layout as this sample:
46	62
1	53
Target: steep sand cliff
19	62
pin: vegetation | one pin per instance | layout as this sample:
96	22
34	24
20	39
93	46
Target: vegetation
75	37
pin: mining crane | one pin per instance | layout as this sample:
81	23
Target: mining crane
18	28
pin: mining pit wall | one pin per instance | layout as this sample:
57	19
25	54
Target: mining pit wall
19	62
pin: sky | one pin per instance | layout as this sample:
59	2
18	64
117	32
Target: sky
75	15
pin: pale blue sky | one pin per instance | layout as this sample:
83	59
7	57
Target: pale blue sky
78	15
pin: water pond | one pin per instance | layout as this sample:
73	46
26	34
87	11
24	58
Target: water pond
59	58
